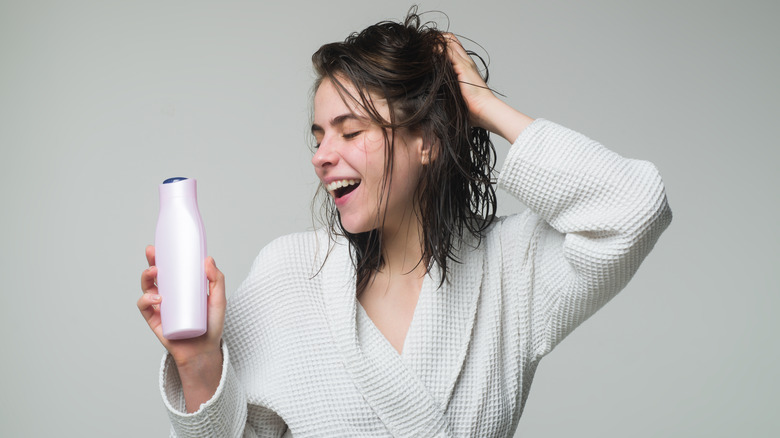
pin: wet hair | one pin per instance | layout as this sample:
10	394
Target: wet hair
407	65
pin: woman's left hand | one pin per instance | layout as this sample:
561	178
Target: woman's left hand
485	109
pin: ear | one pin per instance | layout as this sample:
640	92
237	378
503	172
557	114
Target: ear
428	151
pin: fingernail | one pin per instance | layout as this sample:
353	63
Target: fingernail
155	298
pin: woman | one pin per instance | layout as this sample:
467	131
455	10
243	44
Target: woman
418	313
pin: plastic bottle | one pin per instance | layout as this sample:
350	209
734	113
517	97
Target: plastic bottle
180	254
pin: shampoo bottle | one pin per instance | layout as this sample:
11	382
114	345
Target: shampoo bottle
180	254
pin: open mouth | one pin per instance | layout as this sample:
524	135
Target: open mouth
342	187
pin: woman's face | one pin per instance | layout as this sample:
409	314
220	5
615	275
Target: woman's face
350	162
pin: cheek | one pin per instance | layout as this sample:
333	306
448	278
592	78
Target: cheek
371	160
406	176
374	140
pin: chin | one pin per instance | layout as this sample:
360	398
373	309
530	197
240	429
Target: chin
355	229
355	226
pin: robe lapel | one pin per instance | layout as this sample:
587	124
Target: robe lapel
397	396
438	340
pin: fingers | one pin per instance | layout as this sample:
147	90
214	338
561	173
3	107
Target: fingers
452	39
150	255
456	52
479	98
148	277
216	280
464	66
148	305
216	301
150	300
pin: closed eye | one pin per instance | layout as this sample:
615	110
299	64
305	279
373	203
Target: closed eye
317	141
348	136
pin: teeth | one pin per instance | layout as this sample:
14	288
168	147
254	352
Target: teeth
341	183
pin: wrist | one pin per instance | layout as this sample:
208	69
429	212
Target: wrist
206	363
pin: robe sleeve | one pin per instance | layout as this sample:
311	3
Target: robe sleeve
228	413
224	414
594	218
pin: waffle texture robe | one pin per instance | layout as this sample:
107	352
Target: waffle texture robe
302	358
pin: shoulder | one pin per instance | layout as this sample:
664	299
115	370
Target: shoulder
472	250
281	294
510	228
290	252
510	238
286	262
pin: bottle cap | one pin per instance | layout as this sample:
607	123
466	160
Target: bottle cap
174	179
183	188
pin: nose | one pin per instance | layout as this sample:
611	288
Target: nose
325	155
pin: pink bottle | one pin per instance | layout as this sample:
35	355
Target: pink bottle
180	254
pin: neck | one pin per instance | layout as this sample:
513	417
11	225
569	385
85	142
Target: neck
402	247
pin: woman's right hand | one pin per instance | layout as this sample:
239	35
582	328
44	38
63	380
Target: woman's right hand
199	360
485	109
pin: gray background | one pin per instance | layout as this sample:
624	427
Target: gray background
100	101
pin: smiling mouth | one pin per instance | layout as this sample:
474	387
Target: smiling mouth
342	187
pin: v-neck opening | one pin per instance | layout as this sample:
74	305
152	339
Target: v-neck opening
415	316
408	391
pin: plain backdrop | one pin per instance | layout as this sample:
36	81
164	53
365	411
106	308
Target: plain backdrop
102	100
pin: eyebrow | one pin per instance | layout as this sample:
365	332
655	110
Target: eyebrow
315	128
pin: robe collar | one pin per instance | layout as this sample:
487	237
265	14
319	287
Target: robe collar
409	392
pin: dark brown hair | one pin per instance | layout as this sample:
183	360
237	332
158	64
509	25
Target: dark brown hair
407	64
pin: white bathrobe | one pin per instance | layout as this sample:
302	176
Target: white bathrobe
302	358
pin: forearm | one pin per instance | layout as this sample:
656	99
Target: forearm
498	117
